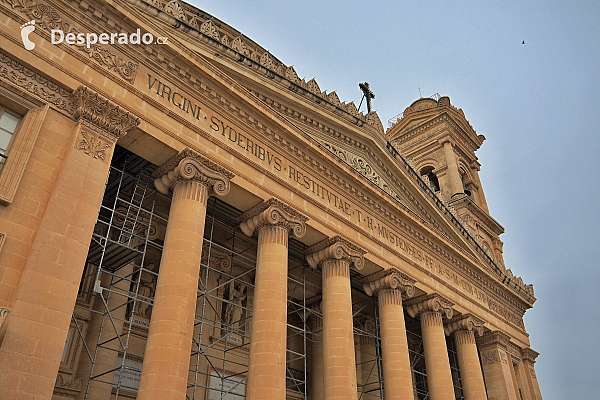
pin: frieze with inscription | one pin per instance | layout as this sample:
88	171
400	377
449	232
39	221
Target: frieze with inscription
333	199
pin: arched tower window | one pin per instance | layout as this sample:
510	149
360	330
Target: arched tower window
433	180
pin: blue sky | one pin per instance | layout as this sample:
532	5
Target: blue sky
537	104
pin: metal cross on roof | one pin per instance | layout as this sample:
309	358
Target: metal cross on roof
368	93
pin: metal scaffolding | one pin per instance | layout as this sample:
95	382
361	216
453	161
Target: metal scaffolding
111	318
221	341
117	282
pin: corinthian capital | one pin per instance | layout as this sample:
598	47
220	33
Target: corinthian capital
335	248
429	303
189	165
465	322
389	279
273	212
102	113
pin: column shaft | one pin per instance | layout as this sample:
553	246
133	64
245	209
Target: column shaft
397	374
339	367
167	354
266	374
468	363
454	181
439	377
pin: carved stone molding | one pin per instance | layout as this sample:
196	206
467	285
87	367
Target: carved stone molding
66	387
429	303
529	355
4	311
37	85
465	322
102	113
335	248
489	357
389	279
47	18
188	165
493	339
273	212
216	259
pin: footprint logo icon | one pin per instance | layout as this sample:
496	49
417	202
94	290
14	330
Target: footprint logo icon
26	29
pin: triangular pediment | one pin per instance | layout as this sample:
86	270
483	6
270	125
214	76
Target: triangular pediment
356	139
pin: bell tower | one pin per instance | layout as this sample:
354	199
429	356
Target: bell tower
442	144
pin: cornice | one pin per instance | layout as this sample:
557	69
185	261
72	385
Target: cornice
335	248
493	339
32	82
273	212
529	355
190	79
206	29
468	203
48	18
200	86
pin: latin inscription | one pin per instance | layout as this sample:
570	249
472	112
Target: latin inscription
244	143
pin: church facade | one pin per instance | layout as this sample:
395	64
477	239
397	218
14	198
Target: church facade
183	217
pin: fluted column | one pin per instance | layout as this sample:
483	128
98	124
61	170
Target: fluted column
335	256
496	368
463	328
431	309
192	179
274	222
389	285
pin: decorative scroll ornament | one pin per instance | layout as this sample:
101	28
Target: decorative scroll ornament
429	302
3	314
101	112
335	248
389	279
273	212
189	165
465	322
215	259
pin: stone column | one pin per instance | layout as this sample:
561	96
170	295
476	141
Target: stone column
316	361
430	309
35	331
454	181
274	222
463	328
192	179
335	256
528	360
389	285
496	368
